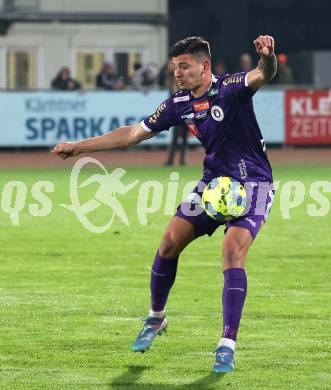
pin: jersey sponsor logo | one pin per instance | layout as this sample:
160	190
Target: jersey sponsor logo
181	99
188	116
153	118
201	106
233	80
217	113
201	115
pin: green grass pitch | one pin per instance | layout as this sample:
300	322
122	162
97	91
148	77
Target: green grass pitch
71	302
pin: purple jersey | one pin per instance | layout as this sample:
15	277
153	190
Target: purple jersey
223	120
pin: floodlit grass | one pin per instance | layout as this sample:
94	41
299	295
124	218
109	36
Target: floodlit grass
71	302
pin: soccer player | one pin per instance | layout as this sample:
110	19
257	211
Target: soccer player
219	111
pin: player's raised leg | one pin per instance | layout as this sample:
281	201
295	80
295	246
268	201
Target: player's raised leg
177	236
235	247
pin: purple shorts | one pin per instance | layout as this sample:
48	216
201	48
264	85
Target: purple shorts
260	197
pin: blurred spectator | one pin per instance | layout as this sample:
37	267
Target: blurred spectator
108	79
164	75
245	62
64	82
284	72
219	68
167	79
180	131
150	73
136	78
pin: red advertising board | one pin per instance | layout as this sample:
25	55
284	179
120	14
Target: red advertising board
308	117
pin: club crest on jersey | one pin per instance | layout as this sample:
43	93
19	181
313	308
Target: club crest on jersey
217	113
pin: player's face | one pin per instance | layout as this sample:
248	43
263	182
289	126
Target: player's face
189	71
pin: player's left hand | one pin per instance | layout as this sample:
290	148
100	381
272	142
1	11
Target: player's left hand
265	45
66	149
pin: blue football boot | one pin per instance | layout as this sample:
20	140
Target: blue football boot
224	360
152	327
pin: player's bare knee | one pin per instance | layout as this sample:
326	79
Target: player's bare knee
168	247
234	254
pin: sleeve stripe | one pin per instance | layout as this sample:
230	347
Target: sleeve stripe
145	127
246	80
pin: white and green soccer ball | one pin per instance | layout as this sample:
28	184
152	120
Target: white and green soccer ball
224	199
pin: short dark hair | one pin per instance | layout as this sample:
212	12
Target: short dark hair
191	45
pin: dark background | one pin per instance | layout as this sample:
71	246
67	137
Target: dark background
298	26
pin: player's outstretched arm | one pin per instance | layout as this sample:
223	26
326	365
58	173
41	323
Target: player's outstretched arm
267	65
119	138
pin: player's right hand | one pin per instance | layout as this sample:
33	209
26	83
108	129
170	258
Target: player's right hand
265	45
66	149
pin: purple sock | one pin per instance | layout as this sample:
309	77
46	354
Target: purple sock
162	278
234	294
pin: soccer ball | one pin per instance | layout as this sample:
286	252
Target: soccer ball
224	199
